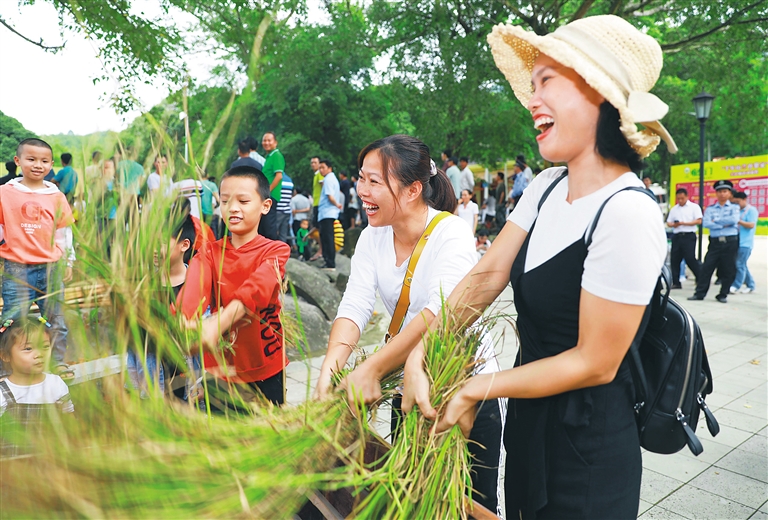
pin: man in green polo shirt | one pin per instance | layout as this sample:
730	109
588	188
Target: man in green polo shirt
273	169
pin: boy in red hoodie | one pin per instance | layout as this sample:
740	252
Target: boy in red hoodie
241	276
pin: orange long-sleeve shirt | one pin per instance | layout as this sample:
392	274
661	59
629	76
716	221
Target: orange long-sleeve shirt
252	274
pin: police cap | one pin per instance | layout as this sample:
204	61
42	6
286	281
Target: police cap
723	185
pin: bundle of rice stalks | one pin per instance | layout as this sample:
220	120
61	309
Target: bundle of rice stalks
427	475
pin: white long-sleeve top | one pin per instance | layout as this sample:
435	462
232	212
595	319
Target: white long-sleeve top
448	256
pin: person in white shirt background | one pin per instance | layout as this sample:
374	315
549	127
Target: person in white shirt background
157	177
467	179
527	172
683	218
401	190
467	210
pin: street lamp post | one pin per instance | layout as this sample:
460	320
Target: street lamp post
702	104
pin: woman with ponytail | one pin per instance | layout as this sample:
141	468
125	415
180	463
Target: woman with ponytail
402	191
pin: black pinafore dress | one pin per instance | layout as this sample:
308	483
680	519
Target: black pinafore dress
576	454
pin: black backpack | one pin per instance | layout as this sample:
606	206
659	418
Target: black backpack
669	368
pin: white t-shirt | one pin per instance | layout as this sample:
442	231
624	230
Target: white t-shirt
528	174
448	256
687	213
153	181
192	189
299	201
467	214
467	181
628	247
52	390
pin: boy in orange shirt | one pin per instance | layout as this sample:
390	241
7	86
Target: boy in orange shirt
34	221
241	276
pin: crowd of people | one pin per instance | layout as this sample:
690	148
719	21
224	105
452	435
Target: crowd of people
732	223
565	412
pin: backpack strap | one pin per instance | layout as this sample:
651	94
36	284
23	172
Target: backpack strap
593	225
404	301
552	187
654	312
665	276
7	394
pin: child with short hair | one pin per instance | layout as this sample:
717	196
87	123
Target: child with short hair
27	392
35	221
241	276
302	240
173	260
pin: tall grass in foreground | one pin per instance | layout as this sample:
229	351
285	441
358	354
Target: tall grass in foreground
126	457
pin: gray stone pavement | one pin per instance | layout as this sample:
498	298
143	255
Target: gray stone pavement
729	480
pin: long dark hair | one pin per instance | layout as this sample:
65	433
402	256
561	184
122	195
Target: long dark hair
407	160
611	143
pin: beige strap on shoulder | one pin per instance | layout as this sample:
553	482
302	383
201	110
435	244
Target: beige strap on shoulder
405	300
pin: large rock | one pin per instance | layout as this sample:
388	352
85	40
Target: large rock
313	285
350	240
343	268
316	329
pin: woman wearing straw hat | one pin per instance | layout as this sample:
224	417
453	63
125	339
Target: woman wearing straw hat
572	443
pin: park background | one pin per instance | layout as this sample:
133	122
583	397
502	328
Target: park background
330	76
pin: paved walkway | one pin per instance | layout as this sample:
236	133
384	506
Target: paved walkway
729	480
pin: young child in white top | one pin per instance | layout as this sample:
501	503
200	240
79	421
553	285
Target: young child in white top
28	393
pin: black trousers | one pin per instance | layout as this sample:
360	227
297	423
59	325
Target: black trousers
721	255
268	223
684	247
327	243
484	447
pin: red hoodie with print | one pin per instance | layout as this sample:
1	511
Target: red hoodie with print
252	274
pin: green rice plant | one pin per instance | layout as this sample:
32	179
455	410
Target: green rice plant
427	475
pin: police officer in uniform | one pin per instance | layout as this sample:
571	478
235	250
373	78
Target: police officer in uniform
722	219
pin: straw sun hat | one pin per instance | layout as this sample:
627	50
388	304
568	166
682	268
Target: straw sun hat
621	63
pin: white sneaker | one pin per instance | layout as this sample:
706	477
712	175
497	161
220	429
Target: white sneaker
732	290
746	290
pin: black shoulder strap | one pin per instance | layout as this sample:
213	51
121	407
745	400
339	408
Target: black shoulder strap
7	393
552	187
593	225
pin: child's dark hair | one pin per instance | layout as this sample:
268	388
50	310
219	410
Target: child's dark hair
32	141
21	328
185	229
262	184
66	158
11	167
611	144
407	160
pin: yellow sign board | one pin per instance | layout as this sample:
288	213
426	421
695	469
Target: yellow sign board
748	174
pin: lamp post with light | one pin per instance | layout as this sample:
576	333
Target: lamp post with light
702	104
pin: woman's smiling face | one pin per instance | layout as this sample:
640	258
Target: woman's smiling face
379	203
565	109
